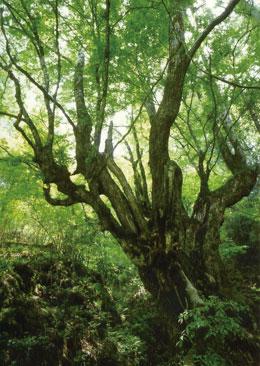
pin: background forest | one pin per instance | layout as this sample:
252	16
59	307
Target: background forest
129	192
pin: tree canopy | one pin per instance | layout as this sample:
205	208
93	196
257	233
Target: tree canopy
145	111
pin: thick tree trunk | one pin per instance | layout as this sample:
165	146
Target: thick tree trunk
177	279
181	266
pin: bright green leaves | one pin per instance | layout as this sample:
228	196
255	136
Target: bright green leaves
216	324
230	54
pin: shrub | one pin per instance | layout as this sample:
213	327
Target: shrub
51	308
214	335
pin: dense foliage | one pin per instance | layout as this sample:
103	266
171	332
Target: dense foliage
129	193
57	309
48	305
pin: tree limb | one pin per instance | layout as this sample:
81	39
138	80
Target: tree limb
232	83
83	128
228	10
103	97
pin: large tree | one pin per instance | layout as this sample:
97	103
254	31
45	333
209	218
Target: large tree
183	77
